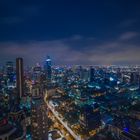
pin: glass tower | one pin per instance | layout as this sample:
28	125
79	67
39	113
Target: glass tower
47	68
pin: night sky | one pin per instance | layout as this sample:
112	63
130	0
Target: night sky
70	31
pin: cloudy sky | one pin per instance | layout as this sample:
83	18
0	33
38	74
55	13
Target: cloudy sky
70	31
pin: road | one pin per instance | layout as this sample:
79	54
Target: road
76	137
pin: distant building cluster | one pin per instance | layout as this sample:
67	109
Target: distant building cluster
47	102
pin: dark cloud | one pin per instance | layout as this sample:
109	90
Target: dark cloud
62	52
72	32
128	35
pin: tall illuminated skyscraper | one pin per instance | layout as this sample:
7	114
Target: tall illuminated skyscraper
47	68
19	77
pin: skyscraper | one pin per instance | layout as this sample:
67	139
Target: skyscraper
10	71
90	117
9	67
47	68
37	71
92	73
19	77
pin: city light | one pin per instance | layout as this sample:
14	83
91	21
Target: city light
69	70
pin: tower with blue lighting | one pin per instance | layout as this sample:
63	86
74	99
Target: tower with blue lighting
48	68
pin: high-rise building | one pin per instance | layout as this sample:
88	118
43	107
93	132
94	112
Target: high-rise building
37	71
47	68
92	73
90	117
134	78
9	67
19	77
10	71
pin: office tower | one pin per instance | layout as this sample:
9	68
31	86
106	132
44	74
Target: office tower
79	70
47	68
37	72
92	73
39	124
90	117
19	77
134	78
10	71
85	75
9	67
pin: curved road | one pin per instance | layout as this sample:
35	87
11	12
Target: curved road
76	137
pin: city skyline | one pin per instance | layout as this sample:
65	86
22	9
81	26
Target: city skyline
85	33
70	70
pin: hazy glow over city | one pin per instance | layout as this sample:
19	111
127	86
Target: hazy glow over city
76	32
69	70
